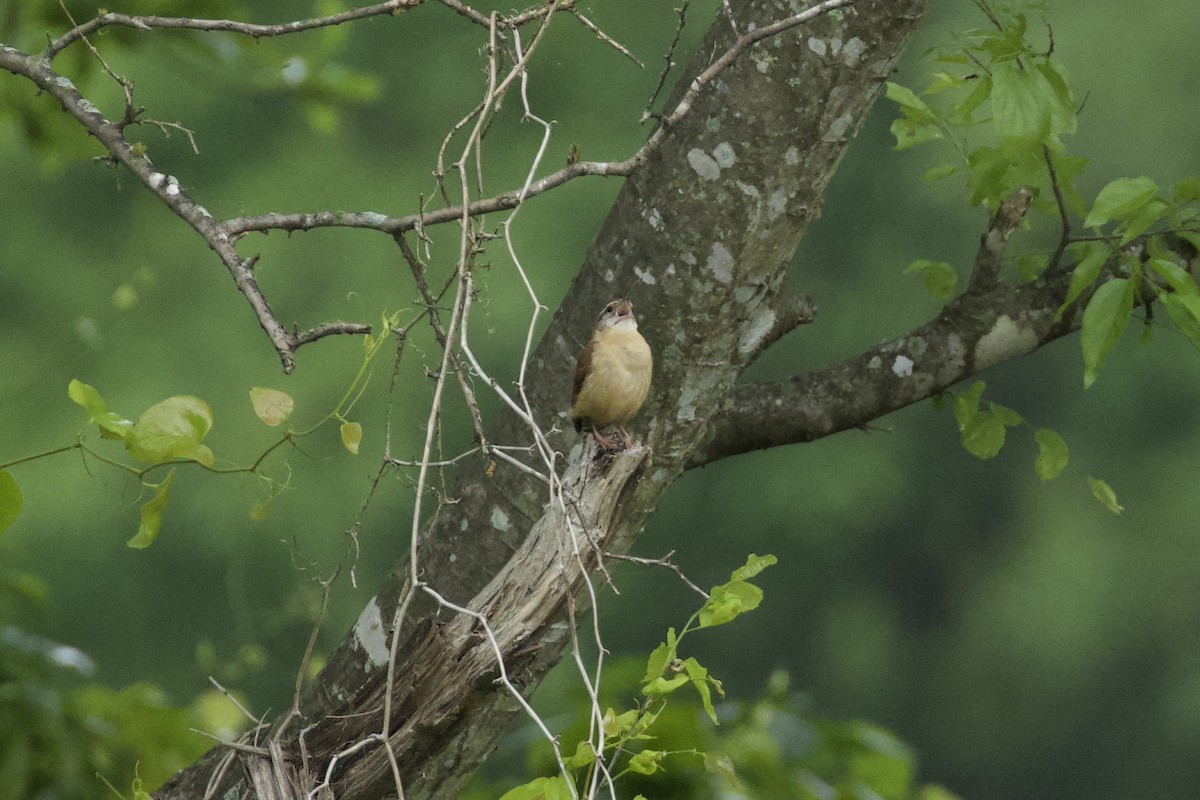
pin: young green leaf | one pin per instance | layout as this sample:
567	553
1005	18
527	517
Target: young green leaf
704	685
555	788
661	656
1019	103
172	429
728	601
1052	453
753	566
1121	199
1184	310
646	762
10	500
584	756
112	426
1176	276
940	277
351	436
152	511
271	405
1095	254
1104	493
1104	320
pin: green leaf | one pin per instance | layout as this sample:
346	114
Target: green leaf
172	429
1146	216
940	277
728	601
661	656
1184	310
152	511
10	500
1019	104
646	762
661	686
906	98
963	113
1056	94
753	566
1104	321
618	724
351	436
1104	493
1005	414
983	436
704	685
1187	190
1085	273
112	426
271	405
555	788
1121	199
1176	276
584	756
1052	453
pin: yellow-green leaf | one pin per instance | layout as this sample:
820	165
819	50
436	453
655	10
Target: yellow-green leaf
271	405
1104	321
1052	453
152	511
172	429
1104	493
351	436
555	788
10	500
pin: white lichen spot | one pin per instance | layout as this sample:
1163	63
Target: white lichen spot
500	520
156	180
670	270
172	189
202	211
724	155
453	558
759	328
374	218
748	190
368	632
64	82
689	259
655	219
818	46
902	367
644	276
720	263
762	65
835	44
687	404
837	129
1005	340
853	51
609	275
777	203
875	363
791	156
705	165
466	523
87	107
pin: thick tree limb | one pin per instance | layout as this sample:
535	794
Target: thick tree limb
702	230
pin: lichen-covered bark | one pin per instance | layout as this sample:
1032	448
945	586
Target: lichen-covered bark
698	238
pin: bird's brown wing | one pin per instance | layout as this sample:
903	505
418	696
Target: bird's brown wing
583	365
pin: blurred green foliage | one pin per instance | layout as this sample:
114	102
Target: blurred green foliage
1019	637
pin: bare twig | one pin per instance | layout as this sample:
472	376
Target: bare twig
150	22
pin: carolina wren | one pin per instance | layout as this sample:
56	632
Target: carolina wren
612	374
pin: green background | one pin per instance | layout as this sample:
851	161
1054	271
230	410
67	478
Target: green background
1024	640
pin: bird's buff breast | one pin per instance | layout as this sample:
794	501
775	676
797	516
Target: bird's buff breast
619	380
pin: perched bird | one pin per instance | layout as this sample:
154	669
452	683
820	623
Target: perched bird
612	374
